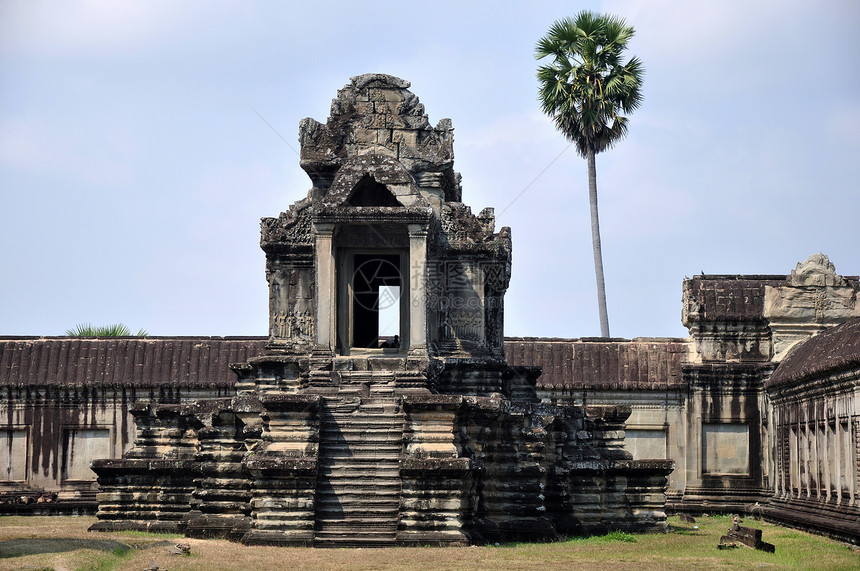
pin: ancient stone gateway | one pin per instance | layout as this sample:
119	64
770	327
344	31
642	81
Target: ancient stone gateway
383	410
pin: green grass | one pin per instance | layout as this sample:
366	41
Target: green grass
150	534
615	536
63	543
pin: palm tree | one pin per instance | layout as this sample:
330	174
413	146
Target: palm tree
584	89
114	330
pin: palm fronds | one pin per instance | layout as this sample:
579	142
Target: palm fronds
585	87
114	330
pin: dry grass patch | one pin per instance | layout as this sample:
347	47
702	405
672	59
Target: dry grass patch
63	543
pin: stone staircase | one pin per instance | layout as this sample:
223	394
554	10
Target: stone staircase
358	482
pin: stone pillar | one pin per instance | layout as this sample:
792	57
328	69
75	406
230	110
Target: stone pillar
417	289
837	446
434	478
283	470
325	283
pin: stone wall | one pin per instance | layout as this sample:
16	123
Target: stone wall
67	402
814	396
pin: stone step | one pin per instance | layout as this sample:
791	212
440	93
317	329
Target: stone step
361	432
356	440
369	420
323	517
331	507
358	498
360	471
360	426
357	455
367	449
359	436
360	491
359	465
368	457
349	482
361	452
364	525
371	451
350	539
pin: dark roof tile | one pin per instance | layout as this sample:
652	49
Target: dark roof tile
834	350
204	361
149	361
641	364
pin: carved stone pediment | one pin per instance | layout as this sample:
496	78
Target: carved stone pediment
369	170
375	113
812	298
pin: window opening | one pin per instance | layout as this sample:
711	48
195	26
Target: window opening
368	192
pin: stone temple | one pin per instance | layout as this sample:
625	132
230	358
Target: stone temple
386	407
382	410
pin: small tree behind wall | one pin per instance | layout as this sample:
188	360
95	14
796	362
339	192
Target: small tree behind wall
115	330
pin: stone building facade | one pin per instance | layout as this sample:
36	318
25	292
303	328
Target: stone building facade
69	401
814	396
386	375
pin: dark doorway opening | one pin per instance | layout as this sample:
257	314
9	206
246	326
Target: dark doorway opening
376	293
368	192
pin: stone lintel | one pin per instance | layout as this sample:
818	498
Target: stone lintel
612	414
247	404
603	466
287	401
269	466
431	402
382	215
450	467
108	466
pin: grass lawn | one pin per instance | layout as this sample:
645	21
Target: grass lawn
63	543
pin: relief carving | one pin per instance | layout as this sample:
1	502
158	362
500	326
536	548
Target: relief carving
294	326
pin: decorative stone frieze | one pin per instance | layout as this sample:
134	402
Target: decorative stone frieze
813	298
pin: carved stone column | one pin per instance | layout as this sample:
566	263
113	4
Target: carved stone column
417	289
325	282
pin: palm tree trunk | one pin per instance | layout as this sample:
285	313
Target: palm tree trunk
595	243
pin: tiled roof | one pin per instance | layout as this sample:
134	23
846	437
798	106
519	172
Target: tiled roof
134	361
834	350
601	364
727	298
204	361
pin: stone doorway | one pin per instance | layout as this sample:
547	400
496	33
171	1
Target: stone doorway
373	313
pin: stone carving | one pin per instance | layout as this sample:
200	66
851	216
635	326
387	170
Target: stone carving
811	299
292	227
293	325
377	113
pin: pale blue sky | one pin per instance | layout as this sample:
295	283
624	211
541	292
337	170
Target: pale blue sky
134	168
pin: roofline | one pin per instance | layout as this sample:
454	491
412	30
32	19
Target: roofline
600	339
739	277
752	277
262	338
132	337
